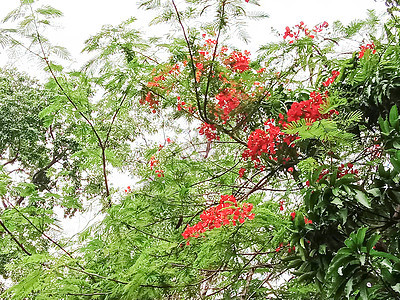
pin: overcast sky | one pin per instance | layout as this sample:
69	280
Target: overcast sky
83	18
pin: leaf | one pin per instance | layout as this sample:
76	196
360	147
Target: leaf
360	236
394	116
395	163
385	255
49	11
384	124
349	287
372	241
362	198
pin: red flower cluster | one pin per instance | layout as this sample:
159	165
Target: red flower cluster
320	27
307	221
160	173
128	190
208	131
348	169
241	172
227	102
308	110
365	48
154	163
226	213
237	61
331	79
342	170
183	106
292	215
375	151
290	249
162	76
301	28
261	141
150	99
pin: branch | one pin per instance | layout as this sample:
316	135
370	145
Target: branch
212	62
115	116
88	295
149	234
11	161
191	60
96	275
100	141
42	233
15	239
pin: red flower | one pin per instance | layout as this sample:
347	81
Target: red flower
307	221
208	131
261	141
237	61
293	215
227	101
330	80
199	66
290	169
241	172
279	248
227	212
365	48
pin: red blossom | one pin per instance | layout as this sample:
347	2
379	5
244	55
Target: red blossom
208	130
279	248
154	163
307	221
227	212
365	48
261	141
331	79
293	215
237	61
241	172
298	30
227	101
151	100
308	109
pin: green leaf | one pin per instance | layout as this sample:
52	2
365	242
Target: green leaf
385	255
362	198
360	236
395	163
349	287
394	117
372	241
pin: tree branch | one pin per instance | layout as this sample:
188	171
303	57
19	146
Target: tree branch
15	239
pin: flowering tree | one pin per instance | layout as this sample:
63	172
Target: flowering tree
273	176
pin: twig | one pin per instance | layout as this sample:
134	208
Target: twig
15	239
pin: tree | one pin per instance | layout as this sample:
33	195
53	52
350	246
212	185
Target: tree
269	177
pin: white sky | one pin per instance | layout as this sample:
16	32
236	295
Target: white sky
83	18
